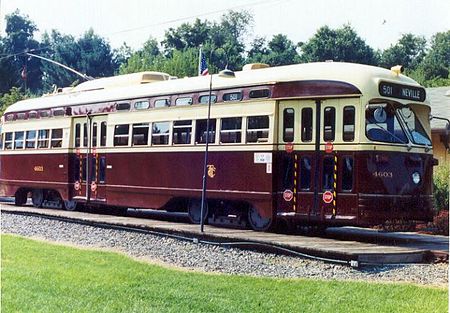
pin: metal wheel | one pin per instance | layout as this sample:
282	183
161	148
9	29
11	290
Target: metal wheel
70	205
20	197
256	221
37	198
194	211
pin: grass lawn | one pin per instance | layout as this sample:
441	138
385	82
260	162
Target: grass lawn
41	277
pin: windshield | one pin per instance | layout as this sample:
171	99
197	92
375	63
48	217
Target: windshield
414	127
382	124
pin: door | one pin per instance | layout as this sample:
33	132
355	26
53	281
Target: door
297	179
89	141
309	164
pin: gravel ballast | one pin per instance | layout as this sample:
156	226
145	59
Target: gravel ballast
209	258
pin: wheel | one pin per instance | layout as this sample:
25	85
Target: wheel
256	221
20	197
70	205
194	210
37	198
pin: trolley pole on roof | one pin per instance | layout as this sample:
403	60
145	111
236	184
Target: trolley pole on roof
84	76
226	73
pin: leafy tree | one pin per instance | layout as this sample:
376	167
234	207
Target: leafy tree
434	70
19	39
11	97
95	55
145	59
409	51
121	56
90	54
63	49
280	51
342	44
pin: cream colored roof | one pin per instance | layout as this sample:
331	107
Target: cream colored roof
364	77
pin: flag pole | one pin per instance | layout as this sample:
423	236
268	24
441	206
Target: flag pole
200	61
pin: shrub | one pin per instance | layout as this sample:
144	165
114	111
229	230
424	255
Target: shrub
440	187
440	221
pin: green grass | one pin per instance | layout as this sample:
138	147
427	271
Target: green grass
41	277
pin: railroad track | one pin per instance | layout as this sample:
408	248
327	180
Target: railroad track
348	246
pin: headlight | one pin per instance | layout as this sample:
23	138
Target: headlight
416	177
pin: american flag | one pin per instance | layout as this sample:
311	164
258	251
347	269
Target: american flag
203	67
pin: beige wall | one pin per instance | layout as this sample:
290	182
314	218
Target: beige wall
439	151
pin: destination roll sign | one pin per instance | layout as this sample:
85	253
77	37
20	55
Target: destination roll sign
401	91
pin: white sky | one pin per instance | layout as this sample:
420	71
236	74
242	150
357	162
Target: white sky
133	21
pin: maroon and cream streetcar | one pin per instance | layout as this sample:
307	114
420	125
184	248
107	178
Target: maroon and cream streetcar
317	144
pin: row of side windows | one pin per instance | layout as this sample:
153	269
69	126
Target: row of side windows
183	132
329	124
32	139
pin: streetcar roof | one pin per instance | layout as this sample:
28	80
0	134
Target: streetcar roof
364	77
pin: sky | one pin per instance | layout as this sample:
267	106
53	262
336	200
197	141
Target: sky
379	22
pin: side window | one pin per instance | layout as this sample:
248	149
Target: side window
141	105
8	141
232	96
200	131
77	135
19	140
288	124
121	134
183	101
43	138
160	133
348	131
329	123
140	134
327	173
161	103
182	132
257	129
307	124
103	134
85	135
205	99
347	173
305	173
231	130
93	169
57	137
30	140
94	134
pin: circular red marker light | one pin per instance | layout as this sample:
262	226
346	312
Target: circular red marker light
327	197
288	195
289	147
329	147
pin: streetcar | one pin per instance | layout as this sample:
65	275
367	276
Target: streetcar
327	143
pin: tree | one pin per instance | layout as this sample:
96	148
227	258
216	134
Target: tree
11	97
95	55
145	59
342	45
121	56
434	70
89	54
280	51
409	51
19	39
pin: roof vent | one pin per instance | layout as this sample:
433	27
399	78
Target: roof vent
122	81
254	66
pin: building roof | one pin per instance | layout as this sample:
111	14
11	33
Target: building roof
439	100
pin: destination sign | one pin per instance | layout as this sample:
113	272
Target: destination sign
401	91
